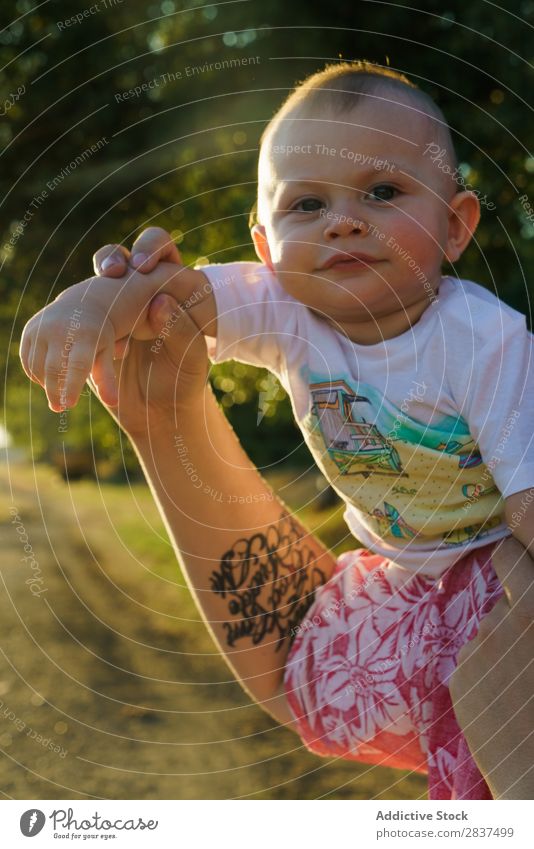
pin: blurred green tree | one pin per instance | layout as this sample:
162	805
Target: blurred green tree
126	116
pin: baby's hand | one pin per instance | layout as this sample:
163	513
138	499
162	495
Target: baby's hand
86	327
89	324
68	340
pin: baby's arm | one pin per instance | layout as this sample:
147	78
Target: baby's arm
76	335
255	317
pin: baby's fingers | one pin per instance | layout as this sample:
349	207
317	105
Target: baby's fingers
32	353
24	352
65	374
32	357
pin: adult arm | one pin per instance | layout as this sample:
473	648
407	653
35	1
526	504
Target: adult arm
492	687
252	567
519	513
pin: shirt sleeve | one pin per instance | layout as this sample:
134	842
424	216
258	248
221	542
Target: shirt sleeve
493	384
256	318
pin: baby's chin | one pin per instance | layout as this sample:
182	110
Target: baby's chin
336	300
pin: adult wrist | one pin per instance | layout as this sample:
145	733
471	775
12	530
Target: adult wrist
187	417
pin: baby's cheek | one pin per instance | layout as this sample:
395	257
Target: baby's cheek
421	244
283	247
293	284
285	278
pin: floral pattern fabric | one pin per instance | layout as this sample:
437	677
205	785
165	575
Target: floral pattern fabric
366	676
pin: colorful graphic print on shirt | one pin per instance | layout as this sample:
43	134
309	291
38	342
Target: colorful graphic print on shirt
405	477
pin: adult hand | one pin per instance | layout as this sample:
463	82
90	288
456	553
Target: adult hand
148	375
154	381
492	688
154	244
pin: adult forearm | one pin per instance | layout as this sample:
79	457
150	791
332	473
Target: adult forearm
252	568
492	688
498	726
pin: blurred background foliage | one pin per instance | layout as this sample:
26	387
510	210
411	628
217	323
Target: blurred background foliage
182	154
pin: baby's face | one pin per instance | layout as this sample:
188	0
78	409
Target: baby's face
356	183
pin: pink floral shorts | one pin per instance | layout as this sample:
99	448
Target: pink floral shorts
366	677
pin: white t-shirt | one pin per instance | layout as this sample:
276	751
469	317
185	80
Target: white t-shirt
421	434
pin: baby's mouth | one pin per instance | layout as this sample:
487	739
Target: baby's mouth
346	260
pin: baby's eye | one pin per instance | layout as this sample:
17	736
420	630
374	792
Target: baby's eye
307	205
384	192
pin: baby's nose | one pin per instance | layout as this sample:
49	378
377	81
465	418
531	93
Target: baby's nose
343	224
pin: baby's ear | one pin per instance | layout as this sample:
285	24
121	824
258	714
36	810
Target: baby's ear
261	244
464	215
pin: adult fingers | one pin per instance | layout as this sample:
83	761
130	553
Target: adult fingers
490	621
176	331
487	626
160	312
153	245
121	348
515	570
111	261
104	377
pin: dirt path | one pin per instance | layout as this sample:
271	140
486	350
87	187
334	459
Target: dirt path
107	690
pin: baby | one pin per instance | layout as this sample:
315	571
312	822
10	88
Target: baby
413	391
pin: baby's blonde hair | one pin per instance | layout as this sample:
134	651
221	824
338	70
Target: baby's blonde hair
342	86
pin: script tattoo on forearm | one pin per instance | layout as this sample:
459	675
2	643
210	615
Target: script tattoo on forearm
269	580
